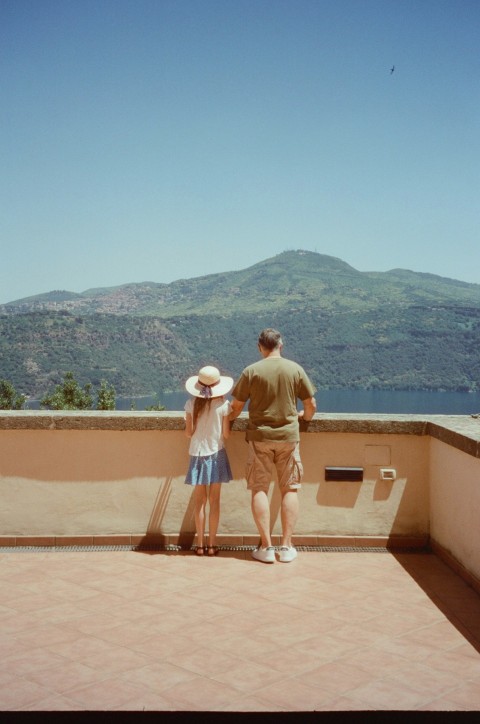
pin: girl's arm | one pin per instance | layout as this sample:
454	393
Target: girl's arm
226	427
188	425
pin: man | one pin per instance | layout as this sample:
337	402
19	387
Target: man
272	387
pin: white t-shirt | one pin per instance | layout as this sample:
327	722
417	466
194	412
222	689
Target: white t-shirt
208	438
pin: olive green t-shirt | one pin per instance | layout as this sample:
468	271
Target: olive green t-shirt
273	385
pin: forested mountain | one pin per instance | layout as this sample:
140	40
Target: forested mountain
396	329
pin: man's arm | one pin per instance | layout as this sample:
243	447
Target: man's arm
309	409
237	407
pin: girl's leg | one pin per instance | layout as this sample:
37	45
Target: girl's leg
200	502
214	514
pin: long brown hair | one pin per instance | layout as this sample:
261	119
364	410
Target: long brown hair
199	406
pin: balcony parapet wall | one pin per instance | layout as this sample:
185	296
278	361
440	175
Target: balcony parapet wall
119	476
458	431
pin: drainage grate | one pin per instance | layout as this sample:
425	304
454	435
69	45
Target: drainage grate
179	549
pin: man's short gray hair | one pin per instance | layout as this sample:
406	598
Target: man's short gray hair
270	339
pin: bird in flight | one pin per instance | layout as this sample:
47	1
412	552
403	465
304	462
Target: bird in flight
392	69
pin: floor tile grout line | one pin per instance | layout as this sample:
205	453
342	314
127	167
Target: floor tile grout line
446	608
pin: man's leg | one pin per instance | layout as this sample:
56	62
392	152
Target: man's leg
290	472
261	516
259	466
289	515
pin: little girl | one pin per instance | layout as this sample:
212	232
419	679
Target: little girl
207	425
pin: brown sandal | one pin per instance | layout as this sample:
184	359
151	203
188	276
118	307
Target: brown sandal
199	551
212	550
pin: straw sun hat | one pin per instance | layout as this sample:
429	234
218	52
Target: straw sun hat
209	383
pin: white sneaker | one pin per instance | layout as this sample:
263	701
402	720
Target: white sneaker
266	555
285	554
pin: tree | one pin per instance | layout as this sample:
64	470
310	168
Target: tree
69	395
156	407
9	397
106	396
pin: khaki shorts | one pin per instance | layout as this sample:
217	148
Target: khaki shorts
263	456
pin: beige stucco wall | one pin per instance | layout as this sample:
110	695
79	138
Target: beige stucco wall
373	507
57	482
455	503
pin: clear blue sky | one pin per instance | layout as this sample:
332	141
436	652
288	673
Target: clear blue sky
154	140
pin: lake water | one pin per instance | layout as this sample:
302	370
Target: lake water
356	401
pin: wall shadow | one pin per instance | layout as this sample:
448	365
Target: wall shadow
457	601
186	534
153	535
338	494
154	538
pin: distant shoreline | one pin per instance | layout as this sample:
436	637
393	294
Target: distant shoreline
343	400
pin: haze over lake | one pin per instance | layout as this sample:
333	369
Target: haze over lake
355	401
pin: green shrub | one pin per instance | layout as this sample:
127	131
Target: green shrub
10	399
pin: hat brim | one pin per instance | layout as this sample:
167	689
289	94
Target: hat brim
223	386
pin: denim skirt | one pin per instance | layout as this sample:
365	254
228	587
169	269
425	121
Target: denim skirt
207	469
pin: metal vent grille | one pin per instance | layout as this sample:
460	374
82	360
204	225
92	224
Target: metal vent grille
342	473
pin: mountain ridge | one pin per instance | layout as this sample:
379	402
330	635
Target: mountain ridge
382	330
283	269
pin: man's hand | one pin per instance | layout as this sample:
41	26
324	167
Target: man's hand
237	407
309	409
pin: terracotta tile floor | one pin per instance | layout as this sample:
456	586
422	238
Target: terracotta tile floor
166	631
